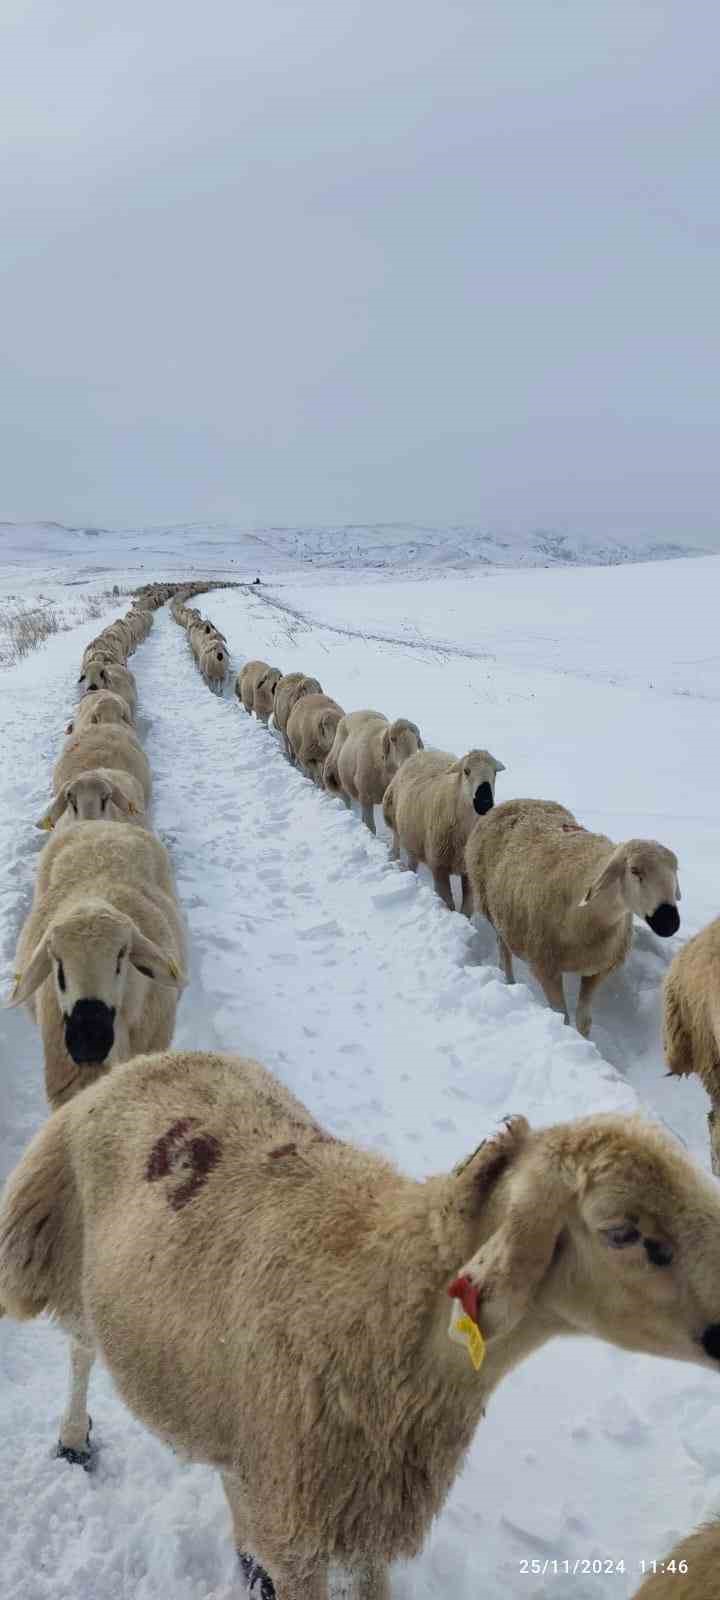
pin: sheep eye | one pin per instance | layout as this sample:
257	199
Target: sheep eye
121	957
636	872
61	976
622	1237
73	803
659	1253
103	802
467	772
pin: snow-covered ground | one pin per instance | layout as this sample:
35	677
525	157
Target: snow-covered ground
388	1017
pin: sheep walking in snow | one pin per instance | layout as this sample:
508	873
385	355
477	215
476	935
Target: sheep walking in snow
293	686
563	899
334	1355
100	956
311	729
255	688
95	710
431	806
690	1572
213	663
691	1020
100	795
367	752
111	746
99	675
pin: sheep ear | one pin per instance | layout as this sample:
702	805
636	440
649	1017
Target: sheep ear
70	727
500	766
81	679
502	1279
121	801
36	971
148	958
47	821
612	871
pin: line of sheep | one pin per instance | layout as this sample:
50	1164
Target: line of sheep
208	644
275	1301
559	897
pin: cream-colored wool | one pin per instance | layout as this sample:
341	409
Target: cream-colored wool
102	707
293	686
213	663
700	1555
367	751
274	1301
255	687
114	746
562	898
110	675
691	1020
311	728
100	795
105	921
430	807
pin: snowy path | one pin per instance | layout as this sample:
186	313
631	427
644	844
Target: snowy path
347	977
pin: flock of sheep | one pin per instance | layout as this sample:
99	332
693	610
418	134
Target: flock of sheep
268	1298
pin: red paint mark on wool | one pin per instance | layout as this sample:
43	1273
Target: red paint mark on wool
464	1291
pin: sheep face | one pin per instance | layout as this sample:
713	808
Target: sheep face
95	676
478	771
91	955
400	741
645	874
605	1229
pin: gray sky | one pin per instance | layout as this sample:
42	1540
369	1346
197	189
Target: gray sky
361	260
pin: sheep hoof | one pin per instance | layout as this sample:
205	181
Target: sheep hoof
259	1585
84	1458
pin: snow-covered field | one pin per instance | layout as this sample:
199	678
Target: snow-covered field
595	686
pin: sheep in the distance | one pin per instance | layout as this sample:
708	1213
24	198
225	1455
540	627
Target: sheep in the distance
311	728
293	686
689	1572
99	795
563	899
255	687
691	1021
367	751
112	746
335	1358
432	804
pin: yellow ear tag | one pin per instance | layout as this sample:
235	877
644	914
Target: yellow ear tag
17	980
463	1330
45	824
132	808
173	968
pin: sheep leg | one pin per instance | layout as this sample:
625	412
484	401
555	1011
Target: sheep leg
74	1441
467	906
368	816
441	880
395	848
506	960
552	988
583	1013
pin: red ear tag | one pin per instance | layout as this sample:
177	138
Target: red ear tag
464	1291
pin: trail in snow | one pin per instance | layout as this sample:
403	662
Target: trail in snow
346	976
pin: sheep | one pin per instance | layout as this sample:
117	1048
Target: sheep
101	951
112	746
100	795
108	649
291	688
328	1378
691	1020
367	752
109	675
213	663
563	899
104	707
255	687
310	731
690	1572
431	805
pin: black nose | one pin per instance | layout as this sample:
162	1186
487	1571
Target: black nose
665	920
89	1031
483	799
92	688
711	1341
219	655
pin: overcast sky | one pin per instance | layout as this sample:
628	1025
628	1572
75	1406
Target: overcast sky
361	260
